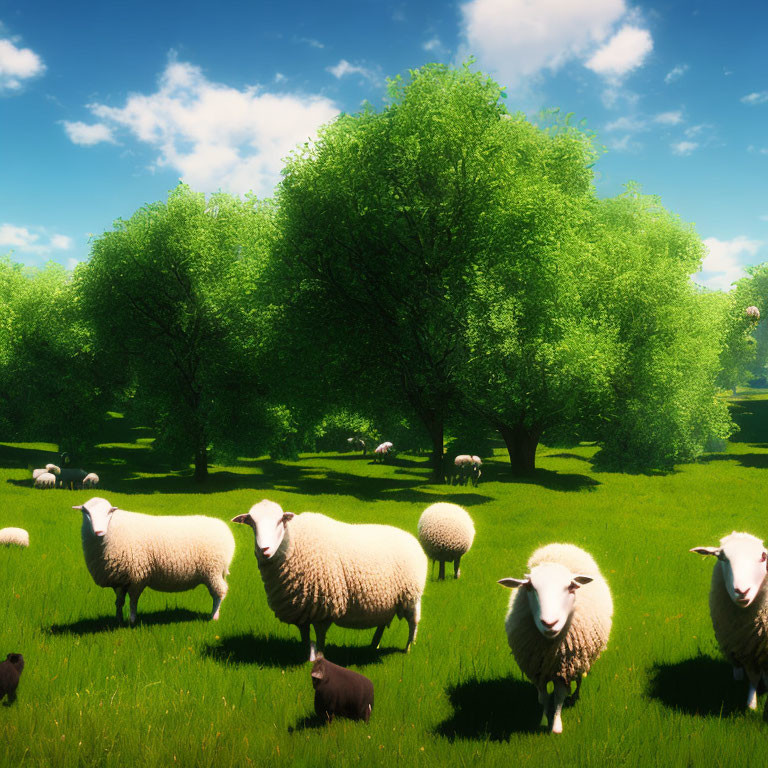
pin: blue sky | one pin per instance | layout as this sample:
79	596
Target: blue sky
104	106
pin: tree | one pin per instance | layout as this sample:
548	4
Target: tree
173	295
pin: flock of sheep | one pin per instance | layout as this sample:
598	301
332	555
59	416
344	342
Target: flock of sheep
318	571
55	477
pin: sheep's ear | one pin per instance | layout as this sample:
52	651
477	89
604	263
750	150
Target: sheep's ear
514	583
245	519
111	510
78	506
707	551
288	516
579	581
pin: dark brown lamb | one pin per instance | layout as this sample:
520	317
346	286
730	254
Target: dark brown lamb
10	672
340	691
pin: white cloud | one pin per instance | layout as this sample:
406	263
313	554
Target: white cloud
629	124
625	51
669	118
684	147
755	98
725	261
433	44
345	68
625	144
72	263
675	73
280	77
36	241
17	65
311	42
517	39
215	136
88	135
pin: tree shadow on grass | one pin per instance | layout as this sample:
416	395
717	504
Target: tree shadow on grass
547	478
101	624
700	686
750	460
265	651
491	709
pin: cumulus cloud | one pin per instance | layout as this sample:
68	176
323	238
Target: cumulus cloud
684	147
216	136
345	68
675	73
625	51
725	261
434	45
87	135
35	241
17	65
755	98
669	118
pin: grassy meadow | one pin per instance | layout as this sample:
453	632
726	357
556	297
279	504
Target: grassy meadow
180	690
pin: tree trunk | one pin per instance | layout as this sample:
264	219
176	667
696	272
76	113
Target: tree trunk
201	464
521	444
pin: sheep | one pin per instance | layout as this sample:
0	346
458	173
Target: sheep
37	472
558	623
446	533
462	466
70	478
356	444
14	536
129	552
738	605
382	451
10	674
46	480
340	691
319	571
90	480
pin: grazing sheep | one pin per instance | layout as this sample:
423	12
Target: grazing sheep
738	605
462	466
70	478
382	451
37	472
446	533
340	691
90	480
129	552
558	622
16	536
10	674
46	480
52	468
319	571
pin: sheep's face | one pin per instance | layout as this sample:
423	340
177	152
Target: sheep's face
551	592
268	522
743	561
98	512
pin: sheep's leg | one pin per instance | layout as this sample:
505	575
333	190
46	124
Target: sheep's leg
574	697
441	571
543	700
377	635
559	695
218	591
754	680
457	568
134	593
320	631
306	641
738	674
119	603
413	616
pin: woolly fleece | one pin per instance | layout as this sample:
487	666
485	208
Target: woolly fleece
17	536
445	531
358	576
574	650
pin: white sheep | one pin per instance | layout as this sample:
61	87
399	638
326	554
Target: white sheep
446	533
37	472
53	469
17	536
558	622
129	552
462	466
90	480
381	451
738	605
45	480
319	571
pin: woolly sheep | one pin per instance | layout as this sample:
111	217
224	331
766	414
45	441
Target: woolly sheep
90	480
558	622
129	552
738	605
462	465
37	472
46	480
319	571
446	533
17	536
380	454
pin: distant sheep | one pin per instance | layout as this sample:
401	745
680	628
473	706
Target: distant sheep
129	552
356	444
465	467
319	571
340	691
37	472
558	622
738	605
446	533
382	451
70	478
90	480
46	480
14	536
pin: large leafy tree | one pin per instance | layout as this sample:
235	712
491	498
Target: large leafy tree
173	295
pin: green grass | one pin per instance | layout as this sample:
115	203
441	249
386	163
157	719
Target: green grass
180	690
